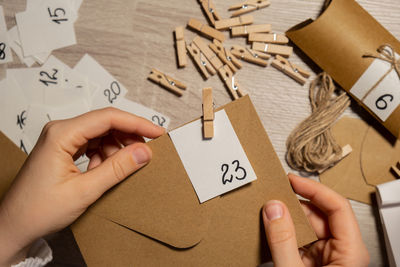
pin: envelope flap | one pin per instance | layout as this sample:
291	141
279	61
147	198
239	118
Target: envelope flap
159	200
11	160
378	153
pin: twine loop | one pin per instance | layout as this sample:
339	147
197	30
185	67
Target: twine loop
311	146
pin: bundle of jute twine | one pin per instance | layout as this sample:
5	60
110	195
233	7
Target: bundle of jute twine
311	146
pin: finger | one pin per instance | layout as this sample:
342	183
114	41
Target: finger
73	133
114	169
109	146
281	234
127	139
317	219
95	160
342	222
80	152
313	255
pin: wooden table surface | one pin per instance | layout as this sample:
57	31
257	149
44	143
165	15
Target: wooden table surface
129	37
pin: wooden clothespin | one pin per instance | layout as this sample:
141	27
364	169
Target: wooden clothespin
167	82
209	8
247	29
346	150
396	169
180	46
248	6
208	113
206	30
210	55
201	61
226	75
250	55
271	38
226	56
295	72
274	49
228	23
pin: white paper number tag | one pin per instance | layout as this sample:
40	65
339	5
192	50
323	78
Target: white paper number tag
214	166
385	98
5	51
46	27
111	93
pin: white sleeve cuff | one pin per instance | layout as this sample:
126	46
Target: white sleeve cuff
39	255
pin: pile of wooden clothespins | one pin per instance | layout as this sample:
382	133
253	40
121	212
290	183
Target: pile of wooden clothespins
213	57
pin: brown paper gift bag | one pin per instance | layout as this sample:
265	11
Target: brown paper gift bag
337	42
154	217
11	160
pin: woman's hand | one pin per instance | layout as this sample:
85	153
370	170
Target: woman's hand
339	238
50	192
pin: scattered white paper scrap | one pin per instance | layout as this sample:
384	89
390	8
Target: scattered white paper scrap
13	110
214	166
5	51
13	37
38	117
47	26
111	93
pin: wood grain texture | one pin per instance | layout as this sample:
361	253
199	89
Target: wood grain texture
130	37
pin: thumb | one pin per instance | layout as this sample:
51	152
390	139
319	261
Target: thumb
116	168
281	234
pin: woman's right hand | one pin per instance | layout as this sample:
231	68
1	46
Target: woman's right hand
332	218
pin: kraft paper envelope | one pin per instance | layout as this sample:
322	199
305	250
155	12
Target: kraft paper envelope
11	160
154	218
356	176
337	41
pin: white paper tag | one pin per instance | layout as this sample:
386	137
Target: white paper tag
13	38
13	110
46	27
385	98
111	93
214	166
5	51
38	117
24	78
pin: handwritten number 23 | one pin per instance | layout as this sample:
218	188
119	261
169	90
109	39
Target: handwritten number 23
113	92
238	170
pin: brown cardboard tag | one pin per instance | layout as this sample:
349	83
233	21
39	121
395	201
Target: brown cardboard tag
154	218
11	160
337	41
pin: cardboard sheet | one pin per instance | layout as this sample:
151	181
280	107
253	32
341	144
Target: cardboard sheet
337	41
346	176
154	218
379	152
11	160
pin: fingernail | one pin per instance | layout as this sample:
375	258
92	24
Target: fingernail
273	210
140	155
